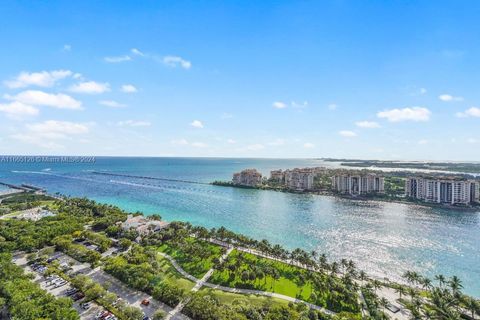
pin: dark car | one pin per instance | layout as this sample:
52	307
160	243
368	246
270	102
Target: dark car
78	296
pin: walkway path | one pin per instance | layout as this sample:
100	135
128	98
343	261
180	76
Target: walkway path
198	282
203	282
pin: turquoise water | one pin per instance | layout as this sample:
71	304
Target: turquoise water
382	238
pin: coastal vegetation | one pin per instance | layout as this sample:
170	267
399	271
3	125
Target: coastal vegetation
140	269
245	270
145	263
467	167
25	299
196	256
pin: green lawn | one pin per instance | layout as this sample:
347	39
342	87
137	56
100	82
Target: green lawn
289	282
230	298
172	276
194	256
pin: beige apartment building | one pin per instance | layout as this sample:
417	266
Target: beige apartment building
358	184
247	177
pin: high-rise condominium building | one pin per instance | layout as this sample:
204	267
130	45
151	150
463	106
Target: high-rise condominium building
447	190
358	184
247	177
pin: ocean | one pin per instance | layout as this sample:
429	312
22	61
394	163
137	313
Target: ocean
384	239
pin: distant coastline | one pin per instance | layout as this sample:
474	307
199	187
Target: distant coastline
407	201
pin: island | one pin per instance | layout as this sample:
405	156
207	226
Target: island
454	191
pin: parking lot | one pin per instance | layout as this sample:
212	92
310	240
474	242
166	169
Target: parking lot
57	290
131	296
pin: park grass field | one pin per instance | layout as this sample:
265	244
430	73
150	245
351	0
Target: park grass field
172	276
236	298
291	281
194	260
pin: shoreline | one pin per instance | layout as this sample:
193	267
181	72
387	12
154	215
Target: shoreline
353	198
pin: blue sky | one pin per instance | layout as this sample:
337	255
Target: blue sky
353	79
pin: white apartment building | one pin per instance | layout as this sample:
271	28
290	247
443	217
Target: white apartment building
355	184
299	179
443	190
247	177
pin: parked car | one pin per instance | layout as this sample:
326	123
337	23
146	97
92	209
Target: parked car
78	296
85	306
71	291
145	302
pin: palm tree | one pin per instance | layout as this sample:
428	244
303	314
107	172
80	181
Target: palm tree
441	279
455	284
376	285
472	305
362	275
401	291
334	267
426	283
384	303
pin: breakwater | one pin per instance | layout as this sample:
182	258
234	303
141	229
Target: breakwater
145	177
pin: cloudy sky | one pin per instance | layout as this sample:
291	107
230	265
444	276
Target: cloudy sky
355	79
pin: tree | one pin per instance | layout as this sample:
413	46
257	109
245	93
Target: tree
472	305
441	279
94	292
158	315
133	313
244	276
401	291
155	217
384	303
455	284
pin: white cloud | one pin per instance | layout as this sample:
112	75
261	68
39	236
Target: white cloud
40	79
111	104
57	129
231	141
255	147
137	52
90	87
308	145
423	91
422	141
184	142
448	98
226	115
279	105
299	105
277	142
199	145
129	88
133	123
175	61
472	140
367	124
46	134
347	134
472	112
179	142
40	98
197	124
67	47
36	140
405	114
332	106
117	59
18	110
